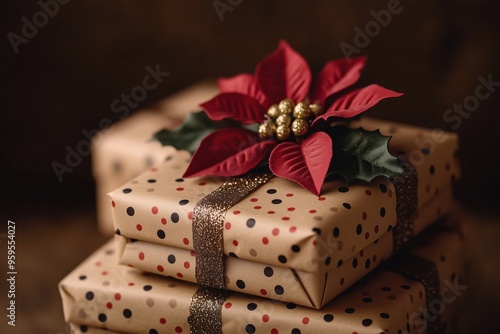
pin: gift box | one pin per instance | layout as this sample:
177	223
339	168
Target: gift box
415	292
125	150
315	244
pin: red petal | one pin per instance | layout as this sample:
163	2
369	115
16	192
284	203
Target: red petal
337	75
244	84
357	101
237	106
228	152
284	74
306	164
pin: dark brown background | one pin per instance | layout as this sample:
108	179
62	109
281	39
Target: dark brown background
64	80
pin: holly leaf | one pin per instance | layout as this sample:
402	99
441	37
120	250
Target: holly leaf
189	134
362	155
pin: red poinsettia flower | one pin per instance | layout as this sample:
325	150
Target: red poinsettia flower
246	98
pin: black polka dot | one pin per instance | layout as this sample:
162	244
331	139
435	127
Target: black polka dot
102	317
250	328
251	222
82	277
400	152
276	201
296	331
233	254
84	329
174	217
343	189
426	151
296	248
179	180
317	230
151	181
354	262
118	232
153	331
432	169
160	234
271	191
132	240
183	202
382	212
168	158
340	263
328	260
109	251
328	317
384	315
279	290
251	306
367	300
367	322
385	288
346	205
282	259
171	258
383	188
268	271
336	232
89	295
406	287
127	313
240	284
127	191
130	211
389	228
359	229
367	263
442	258
291	306
147	287
349	310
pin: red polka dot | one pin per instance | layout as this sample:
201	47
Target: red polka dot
321	198
420	294
436	192
314	242
109	305
376	228
163	321
104	273
293	229
141	256
164	221
275	331
342	281
98	264
271	212
154	169
285	218
305	320
118	296
361	253
179	189
254	199
190	215
227	225
265	318
276	232
178	329
228	305
185	241
291	209
364	215
289	195
237	212
263	292
312	211
180	275
235	242
367	235
154	210
193	253
131	284
187	265
113	204
138	227
374	258
160	268
265	240
257	207
368	192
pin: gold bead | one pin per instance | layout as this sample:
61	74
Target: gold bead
316	108
267	129
302	111
273	111
300	127
284	119
286	106
283	132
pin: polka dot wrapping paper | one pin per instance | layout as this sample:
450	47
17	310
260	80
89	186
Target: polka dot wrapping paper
318	245
102	294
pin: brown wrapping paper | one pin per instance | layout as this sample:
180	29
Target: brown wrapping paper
280	223
123	151
100	293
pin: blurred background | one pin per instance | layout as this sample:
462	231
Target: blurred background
61	76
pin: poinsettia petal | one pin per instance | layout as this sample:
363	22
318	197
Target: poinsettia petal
357	101
284	74
228	152
337	75
242	108
243	83
306	163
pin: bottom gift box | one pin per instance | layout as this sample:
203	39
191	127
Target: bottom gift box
413	293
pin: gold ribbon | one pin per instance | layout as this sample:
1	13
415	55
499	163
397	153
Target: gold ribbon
205	310
208	226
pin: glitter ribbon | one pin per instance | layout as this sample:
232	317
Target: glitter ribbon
406	205
423	271
208	226
205	310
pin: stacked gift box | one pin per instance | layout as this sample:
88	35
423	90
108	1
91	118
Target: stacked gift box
257	253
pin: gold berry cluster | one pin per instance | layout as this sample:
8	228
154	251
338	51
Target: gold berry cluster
287	118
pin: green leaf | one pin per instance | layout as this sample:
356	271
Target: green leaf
188	135
359	154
